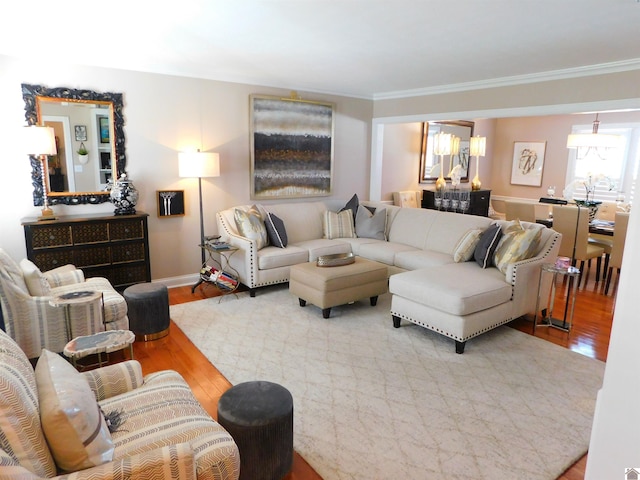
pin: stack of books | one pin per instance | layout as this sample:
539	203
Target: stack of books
222	279
217	244
226	281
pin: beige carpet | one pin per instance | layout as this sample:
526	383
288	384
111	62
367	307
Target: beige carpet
374	402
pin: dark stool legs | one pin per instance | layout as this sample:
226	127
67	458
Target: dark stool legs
259	417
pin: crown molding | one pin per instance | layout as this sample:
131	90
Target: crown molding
584	71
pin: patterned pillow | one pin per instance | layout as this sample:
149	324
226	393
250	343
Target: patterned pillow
275	230
371	224
467	246
516	244
36	282
72	422
483	254
338	225
250	224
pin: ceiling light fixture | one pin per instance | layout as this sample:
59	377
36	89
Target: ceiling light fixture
585	142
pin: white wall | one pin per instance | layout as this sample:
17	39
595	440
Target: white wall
164	115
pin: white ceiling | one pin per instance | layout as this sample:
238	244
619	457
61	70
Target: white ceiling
361	48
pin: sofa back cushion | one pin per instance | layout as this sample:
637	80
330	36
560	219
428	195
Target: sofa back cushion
303	221
13	270
21	434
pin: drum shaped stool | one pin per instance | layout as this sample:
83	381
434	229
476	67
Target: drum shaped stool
148	310
259	417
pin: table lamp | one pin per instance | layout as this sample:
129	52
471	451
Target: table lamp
41	141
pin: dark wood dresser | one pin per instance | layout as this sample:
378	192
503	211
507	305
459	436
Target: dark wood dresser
478	201
114	247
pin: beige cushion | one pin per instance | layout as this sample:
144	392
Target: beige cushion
466	246
36	282
338	225
71	418
250	224
516	244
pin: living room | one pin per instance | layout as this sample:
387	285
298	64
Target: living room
168	114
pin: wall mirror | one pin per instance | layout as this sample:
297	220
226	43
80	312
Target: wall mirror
430	163
80	118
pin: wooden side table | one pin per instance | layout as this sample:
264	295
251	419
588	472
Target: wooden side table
98	344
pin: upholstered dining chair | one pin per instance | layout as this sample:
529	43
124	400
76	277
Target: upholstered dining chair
573	223
409	199
524	211
617	249
606	211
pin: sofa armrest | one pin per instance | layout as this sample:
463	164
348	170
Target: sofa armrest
245	260
65	275
107	382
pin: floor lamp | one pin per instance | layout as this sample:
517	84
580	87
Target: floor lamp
201	165
41	141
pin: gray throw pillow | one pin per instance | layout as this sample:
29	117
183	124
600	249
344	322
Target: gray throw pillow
371	225
487	245
276	231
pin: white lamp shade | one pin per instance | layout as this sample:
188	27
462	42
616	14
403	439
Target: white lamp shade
455	145
477	146
593	140
38	140
198	164
442	143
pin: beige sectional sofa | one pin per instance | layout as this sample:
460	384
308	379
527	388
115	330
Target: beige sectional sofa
459	300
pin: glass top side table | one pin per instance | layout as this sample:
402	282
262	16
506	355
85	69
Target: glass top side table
548	321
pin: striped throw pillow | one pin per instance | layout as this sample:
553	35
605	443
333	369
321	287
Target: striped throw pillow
338	225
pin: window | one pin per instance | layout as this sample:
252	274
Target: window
619	166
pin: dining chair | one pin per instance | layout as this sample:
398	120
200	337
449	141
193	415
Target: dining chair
407	198
606	211
524	211
619	237
573	223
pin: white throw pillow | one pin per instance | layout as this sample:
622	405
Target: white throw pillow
72	421
467	245
36	282
338	225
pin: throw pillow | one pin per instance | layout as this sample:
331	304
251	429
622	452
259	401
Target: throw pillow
72	422
338	225
352	205
483	254
516	244
276	231
36	282
371	225
250	224
464	250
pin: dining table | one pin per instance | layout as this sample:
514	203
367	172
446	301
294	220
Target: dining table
602	227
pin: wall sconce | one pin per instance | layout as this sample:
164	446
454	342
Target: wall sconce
477	148
41	141
442	147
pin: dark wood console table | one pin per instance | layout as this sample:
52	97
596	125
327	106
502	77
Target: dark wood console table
478	201
114	247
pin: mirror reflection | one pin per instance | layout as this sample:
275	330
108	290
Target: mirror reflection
83	140
89	130
431	164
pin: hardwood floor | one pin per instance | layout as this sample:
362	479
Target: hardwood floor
589	336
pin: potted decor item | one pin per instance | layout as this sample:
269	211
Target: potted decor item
83	154
124	196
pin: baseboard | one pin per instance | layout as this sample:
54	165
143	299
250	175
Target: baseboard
180	281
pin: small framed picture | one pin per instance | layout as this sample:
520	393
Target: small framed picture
103	126
81	133
528	162
170	203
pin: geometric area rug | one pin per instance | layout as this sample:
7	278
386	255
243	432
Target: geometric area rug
375	402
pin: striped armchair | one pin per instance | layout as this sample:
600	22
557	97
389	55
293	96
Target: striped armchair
35	324
165	434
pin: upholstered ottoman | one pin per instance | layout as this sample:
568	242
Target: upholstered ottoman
259	417
328	287
148	310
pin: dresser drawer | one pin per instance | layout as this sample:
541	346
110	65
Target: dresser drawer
129	274
128	252
83	233
126	229
48	260
91	256
51	236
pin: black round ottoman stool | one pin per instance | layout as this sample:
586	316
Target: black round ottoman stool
148	310
259	417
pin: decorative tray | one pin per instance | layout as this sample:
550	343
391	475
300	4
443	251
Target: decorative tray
335	260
